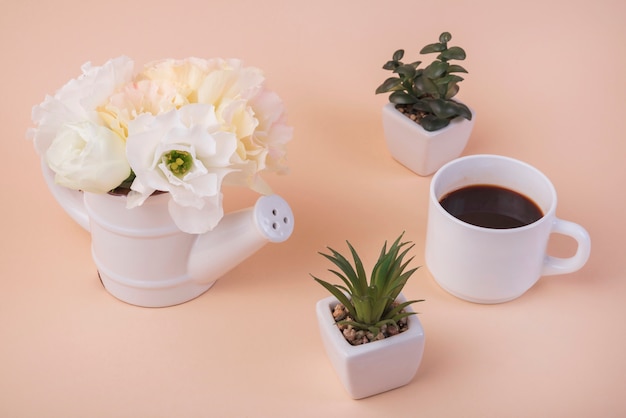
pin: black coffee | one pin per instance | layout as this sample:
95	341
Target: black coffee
491	207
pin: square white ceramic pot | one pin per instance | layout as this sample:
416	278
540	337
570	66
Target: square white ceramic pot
375	367
419	150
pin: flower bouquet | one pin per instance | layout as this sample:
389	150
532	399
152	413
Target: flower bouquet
184	127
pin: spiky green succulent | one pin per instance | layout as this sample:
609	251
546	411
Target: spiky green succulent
428	90
370	303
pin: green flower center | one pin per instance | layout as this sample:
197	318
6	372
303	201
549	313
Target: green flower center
179	162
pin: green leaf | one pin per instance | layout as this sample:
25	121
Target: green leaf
401	97
436	69
450	78
453	89
453	68
390	84
443	109
407	71
432	123
430	48
426	86
349	286
449	109
391	65
360	271
341	297
356	325
397	56
463	110
368	303
453	53
396	310
422	105
343	265
445	37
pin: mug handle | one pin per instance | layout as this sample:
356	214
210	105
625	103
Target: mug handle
70	200
557	265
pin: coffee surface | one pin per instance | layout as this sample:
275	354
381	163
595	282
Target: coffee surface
491	207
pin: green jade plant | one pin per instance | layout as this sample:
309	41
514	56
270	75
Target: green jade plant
427	92
372	305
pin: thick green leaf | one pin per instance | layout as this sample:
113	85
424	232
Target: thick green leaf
341	297
407	71
463	110
389	268
437	47
450	78
401	315
453	68
436	69
443	109
359	326
397	56
391	65
369	303
401	97
448	109
453	53
360	271
422	105
445	37
453	89
344	279
396	310
390	84
426	87
343	265
432	123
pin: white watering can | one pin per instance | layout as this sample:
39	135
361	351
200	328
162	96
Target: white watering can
144	259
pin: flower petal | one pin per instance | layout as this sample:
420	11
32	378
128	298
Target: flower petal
197	221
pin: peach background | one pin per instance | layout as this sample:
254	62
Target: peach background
547	82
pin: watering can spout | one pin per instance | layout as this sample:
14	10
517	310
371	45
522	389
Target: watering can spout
239	235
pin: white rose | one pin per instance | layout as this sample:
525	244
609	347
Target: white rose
87	157
185	153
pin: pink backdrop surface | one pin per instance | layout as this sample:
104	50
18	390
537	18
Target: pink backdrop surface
547	82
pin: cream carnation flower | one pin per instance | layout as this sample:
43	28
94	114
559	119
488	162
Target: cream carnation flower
185	75
136	98
256	115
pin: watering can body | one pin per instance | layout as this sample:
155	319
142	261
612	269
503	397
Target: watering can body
143	258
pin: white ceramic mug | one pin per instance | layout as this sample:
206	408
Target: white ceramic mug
486	265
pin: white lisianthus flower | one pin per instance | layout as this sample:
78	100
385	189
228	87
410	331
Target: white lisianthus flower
88	157
185	153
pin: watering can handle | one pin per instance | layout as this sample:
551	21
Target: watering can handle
70	200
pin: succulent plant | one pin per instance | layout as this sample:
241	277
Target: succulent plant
371	305
428	91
